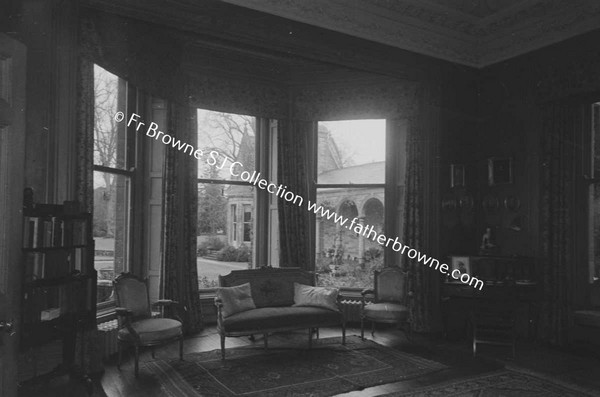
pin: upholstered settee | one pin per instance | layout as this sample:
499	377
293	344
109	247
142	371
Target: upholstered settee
267	300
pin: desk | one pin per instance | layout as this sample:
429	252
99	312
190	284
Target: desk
498	273
457	302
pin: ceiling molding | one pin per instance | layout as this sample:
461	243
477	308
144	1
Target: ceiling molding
474	33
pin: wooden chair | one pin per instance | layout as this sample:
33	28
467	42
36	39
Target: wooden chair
493	317
390	301
137	326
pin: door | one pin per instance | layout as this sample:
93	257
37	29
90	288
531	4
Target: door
12	155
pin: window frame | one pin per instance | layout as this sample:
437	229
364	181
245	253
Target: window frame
263	160
128	171
394	140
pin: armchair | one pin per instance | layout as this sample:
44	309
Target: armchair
137	327
390	301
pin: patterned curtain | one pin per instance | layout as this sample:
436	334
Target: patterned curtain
180	274
85	136
295	232
560	125
421	209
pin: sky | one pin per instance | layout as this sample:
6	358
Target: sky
364	139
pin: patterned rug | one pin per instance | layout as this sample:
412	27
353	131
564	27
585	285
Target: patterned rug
500	383
327	369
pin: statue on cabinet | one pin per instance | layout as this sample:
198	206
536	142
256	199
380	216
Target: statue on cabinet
487	245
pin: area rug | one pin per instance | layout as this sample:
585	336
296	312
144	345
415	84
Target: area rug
505	382
328	368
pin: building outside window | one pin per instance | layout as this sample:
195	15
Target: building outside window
351	184
113	159
225	202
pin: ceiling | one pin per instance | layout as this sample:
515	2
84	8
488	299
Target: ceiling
470	32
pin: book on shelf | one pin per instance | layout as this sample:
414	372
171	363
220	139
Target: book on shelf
53	231
34	265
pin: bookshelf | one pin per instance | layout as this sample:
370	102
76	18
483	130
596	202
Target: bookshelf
59	286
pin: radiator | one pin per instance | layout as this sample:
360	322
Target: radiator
108	338
351	310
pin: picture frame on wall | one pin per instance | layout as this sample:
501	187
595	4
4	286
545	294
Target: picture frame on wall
457	175
500	171
462	263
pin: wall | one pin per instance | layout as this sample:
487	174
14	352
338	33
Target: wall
507	123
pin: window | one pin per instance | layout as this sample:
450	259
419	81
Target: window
247	226
351	163
226	203
594	194
114	157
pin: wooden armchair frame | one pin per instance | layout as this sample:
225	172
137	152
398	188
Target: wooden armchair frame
403	297
128	318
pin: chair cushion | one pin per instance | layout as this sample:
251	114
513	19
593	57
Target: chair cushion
590	318
306	295
384	311
153	329
280	317
235	299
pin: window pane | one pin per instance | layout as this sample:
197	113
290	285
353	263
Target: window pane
225	138
351	151
346	254
111	229
110	137
225	231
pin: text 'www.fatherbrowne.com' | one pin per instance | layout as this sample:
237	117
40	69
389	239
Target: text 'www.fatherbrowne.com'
236	169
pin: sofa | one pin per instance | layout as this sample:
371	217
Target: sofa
266	300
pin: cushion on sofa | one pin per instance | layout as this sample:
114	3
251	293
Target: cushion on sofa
590	318
280	317
306	295
235	299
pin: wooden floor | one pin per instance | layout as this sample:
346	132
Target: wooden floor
582	368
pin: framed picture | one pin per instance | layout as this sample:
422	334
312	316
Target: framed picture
500	171
457	175
462	263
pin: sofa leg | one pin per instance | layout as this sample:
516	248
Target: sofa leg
222	347
266	336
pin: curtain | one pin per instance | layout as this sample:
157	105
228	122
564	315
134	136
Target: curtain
85	136
294	171
560	124
421	209
180	274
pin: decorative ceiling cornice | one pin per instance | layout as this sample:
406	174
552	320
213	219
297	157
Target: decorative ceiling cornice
474	33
